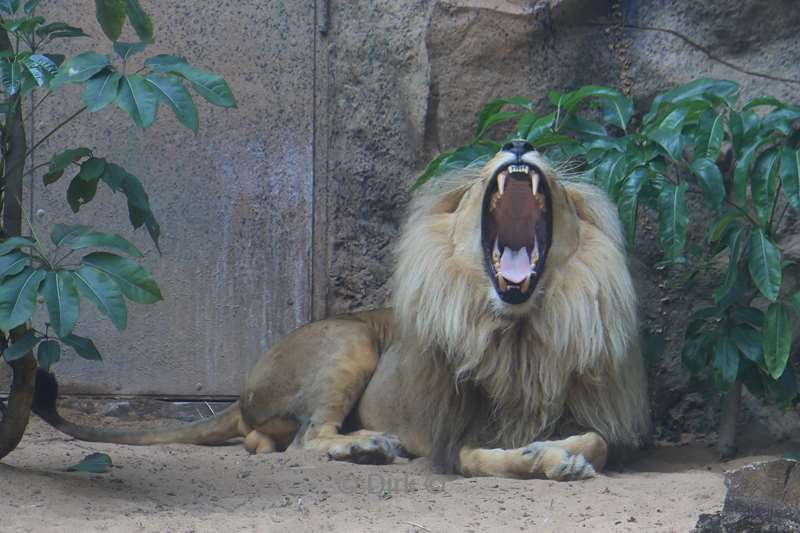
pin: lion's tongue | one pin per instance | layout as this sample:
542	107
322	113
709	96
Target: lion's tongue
515	266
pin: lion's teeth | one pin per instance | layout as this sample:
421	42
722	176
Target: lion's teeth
535	254
521	169
526	284
535	183
501	182
501	282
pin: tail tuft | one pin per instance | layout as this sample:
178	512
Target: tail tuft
45	394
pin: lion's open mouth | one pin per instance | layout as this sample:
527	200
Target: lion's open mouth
516	229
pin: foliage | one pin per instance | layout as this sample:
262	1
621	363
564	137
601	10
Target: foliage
32	273
741	164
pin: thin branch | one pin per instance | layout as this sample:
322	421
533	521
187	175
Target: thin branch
712	56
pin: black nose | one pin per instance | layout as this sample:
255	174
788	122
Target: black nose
518	148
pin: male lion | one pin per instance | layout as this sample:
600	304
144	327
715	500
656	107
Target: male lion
513	320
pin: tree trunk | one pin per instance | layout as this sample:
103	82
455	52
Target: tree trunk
726	443
20	397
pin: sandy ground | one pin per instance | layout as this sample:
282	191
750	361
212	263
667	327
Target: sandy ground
222	489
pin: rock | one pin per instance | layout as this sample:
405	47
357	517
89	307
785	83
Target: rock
762	497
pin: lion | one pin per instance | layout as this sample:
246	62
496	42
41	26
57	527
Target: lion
513	321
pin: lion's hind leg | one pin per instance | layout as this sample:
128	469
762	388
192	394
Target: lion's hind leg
576	457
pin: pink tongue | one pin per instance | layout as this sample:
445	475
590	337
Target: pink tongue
515	266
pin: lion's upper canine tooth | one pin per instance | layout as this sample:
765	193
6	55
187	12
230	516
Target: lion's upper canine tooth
535	183
501	182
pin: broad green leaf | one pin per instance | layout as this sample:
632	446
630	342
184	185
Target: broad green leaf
795	298
715	136
430	171
628	204
710	178
134	281
80	192
102	291
583	127
79	69
61	161
497	118
695	352
749	341
727	90
486	112
48	354
78	237
777	338
59	30
748	315
764	184
101	90
741	172
763	101
114	176
172	92
11	75
726	362
790	175
22	346
141	23
742	126
570	101
18	297
84	347
617	110
138	99
764	264
30	5
139	211
673	218
95	463
14	243
542	126
13	263
63	302
9	7
111	16
780	120
210	86
126	50
610	171
92	169
734	242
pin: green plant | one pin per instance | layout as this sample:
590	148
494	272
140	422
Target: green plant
739	170
30	273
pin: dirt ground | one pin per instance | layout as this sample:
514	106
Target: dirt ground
179	488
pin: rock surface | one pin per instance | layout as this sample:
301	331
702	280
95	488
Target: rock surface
762	497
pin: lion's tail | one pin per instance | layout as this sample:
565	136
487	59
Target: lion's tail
214	430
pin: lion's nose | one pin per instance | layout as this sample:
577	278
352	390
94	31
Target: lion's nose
518	147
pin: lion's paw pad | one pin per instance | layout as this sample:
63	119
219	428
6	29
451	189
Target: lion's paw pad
378	450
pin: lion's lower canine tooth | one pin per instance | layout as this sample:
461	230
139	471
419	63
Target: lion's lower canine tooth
501	282
535	183
526	284
501	182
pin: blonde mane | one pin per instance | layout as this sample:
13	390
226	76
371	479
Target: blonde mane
568	355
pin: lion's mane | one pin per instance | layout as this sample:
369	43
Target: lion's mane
505	375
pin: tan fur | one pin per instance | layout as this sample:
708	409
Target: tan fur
454	372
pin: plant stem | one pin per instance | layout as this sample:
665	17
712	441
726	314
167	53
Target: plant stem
726	443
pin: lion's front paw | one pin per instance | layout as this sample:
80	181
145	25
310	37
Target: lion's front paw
375	450
558	464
